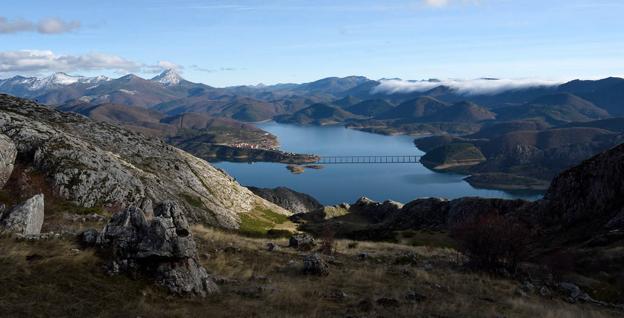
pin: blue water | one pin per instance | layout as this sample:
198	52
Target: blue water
347	182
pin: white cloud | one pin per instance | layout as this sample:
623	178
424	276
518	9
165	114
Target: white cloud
56	26
162	66
444	3
34	61
465	87
166	65
45	26
436	3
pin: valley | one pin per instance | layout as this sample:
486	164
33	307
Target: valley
312	159
518	138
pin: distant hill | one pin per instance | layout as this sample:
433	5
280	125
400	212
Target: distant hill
498	129
462	112
415	108
317	114
555	109
346	101
612	124
134	118
453	156
607	93
370	108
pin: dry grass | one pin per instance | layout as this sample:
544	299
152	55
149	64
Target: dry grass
255	282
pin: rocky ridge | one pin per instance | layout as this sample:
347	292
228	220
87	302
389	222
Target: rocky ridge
98	164
291	200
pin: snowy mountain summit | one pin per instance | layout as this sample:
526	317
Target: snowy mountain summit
168	77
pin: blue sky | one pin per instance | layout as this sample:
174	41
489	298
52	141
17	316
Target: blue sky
248	42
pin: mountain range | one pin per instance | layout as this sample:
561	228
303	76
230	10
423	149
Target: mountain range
501	131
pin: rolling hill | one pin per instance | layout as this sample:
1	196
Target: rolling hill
415	108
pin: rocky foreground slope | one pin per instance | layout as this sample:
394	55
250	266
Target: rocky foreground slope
97	164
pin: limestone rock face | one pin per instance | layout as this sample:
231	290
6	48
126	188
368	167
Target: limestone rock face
26	218
92	163
288	199
8	152
160	247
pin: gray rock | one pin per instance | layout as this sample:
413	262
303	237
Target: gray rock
313	264
544	291
8	153
26	218
288	199
89	237
93	163
161	248
272	247
301	241
573	292
375	211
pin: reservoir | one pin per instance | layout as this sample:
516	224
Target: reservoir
337	183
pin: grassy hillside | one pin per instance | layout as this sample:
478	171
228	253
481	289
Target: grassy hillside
454	155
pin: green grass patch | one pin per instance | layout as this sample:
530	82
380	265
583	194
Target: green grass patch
193	200
272	216
254	226
260	221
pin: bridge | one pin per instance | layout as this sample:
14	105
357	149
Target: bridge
328	160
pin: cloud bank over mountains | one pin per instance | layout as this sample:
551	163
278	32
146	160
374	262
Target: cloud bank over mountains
36	61
27	62
44	26
466	87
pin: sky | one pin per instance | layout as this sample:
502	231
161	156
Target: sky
243	42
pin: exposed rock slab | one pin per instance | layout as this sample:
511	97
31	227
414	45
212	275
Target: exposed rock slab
8	152
288	199
26	218
92	163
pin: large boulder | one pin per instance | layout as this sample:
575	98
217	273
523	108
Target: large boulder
313	264
8	152
302	241
26	218
159	246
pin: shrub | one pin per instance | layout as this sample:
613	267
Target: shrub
560	262
492	242
328	242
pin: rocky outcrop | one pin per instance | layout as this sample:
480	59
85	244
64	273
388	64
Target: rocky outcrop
26	218
288	199
159	246
375	211
92	163
589	193
7	159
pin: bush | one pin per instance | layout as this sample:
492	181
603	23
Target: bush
492	242
328	242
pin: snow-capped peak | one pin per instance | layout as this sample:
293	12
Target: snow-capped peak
62	79
168	77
